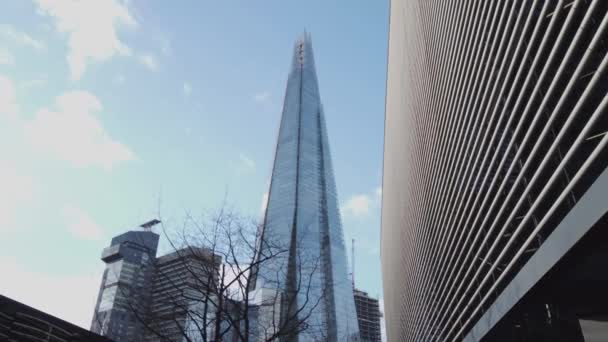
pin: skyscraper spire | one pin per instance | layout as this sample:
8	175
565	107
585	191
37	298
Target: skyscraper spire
302	215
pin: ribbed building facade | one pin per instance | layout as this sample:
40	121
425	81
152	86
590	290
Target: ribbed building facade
20	322
495	188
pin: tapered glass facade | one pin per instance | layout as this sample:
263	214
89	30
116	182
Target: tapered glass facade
302	216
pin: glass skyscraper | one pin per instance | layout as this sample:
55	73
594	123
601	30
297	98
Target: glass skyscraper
124	290
302	216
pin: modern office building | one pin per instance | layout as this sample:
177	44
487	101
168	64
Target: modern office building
180	281
19	322
302	216
125	287
494	222
149	298
368	315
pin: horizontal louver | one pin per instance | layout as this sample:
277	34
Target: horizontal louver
495	127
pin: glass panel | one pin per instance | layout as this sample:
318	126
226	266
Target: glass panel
113	272
107	298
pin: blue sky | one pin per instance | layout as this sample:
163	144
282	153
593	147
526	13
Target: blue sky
107	106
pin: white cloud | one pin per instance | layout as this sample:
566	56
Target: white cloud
378	193
187	88
262	97
81	224
73	133
92	29
247	162
71	297
6	57
8	98
149	61
9	32
357	206
264	203
17	189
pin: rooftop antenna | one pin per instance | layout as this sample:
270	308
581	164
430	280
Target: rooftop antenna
148	225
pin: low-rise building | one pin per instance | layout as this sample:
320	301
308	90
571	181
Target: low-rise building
368	315
20	322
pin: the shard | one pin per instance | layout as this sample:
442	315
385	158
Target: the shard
302	219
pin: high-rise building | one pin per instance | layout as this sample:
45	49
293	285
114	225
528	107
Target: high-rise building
368	315
495	182
125	286
302	216
145	298
181	280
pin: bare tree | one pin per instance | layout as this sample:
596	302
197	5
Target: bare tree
205	289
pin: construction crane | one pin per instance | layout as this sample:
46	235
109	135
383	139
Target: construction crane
352	260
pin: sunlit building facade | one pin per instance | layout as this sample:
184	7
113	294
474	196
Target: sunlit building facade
151	299
302	216
125	286
495	182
